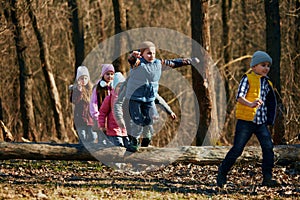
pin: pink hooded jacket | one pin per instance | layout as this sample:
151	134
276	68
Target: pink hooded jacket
106	117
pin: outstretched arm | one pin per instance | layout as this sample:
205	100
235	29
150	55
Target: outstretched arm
179	62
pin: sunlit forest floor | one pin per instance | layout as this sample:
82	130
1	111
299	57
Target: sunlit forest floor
24	179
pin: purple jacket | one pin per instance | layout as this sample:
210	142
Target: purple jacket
106	118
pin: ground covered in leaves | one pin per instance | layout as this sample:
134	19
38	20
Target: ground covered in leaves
25	179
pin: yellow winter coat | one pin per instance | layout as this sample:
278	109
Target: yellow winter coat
245	112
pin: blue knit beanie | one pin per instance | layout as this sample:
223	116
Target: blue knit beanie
118	78
259	57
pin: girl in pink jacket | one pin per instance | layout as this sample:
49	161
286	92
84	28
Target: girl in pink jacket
106	121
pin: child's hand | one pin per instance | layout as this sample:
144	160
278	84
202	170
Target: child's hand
173	115
80	84
256	103
136	54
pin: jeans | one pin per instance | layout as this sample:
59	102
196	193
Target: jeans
86	134
120	141
244	131
141	114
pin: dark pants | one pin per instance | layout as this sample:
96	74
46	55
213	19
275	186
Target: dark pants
244	131
141	114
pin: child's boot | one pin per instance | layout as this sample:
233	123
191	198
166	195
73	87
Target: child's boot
133	146
269	182
145	142
222	177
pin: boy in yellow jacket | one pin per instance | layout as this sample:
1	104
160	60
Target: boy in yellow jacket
256	106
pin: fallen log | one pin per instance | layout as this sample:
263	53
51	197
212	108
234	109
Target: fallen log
284	154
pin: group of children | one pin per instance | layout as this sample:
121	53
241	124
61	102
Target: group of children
118	109
93	107
124	109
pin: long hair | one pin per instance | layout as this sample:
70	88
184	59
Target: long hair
101	92
86	92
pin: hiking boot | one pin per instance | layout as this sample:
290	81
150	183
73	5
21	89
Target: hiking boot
133	146
270	182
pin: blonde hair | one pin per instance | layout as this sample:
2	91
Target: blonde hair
86	92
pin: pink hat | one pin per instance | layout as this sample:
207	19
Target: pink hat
106	68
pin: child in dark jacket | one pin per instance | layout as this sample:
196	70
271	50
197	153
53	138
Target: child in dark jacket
256	105
80	97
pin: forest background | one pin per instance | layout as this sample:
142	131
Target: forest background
30	67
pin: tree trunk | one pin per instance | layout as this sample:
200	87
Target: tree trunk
285	154
245	30
227	56
203	82
25	77
120	25
273	48
226	6
50	81
77	33
101	22
297	45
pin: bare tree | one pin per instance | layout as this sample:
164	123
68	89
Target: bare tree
201	34
77	33
297	44
51	85
25	77
273	37
227	56
120	26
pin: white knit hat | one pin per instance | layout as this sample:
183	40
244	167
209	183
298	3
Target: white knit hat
82	71
118	78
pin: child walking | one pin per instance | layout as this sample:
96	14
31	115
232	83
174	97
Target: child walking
100	91
107	123
256	106
80	97
142	87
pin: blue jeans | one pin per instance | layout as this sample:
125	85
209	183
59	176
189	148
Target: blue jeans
243	132
86	134
119	141
141	114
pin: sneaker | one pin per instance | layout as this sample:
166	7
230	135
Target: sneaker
221	179
270	182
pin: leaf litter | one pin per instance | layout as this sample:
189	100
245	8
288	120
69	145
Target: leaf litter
32	179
